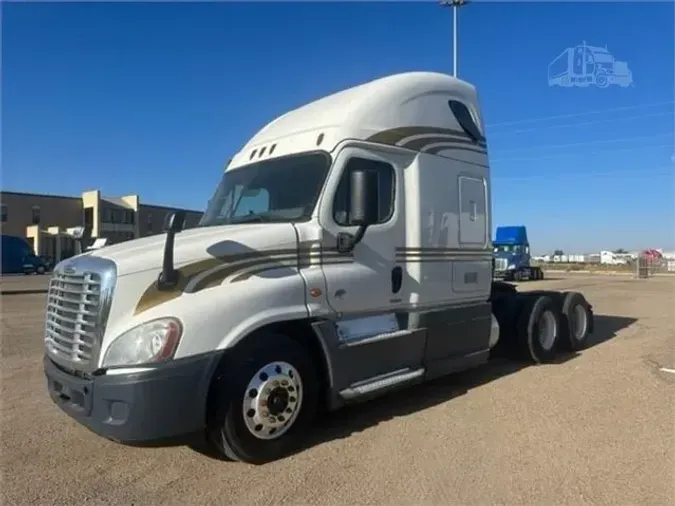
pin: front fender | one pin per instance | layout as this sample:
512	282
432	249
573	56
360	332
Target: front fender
220	317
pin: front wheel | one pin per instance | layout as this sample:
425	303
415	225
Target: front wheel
264	408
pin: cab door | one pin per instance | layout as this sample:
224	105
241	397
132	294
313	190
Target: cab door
367	280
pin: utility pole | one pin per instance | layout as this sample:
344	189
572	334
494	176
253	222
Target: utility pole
455	4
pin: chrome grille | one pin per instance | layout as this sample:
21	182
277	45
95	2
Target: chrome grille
501	264
78	302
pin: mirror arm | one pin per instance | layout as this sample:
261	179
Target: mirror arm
168	278
359	235
346	242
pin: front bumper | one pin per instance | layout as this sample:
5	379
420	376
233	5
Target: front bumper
165	402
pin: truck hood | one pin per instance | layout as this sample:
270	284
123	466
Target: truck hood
198	244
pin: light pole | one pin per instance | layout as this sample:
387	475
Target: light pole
455	4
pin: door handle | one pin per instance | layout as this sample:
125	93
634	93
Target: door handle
396	279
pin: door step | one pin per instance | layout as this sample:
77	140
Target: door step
382	383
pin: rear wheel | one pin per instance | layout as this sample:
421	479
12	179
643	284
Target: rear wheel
539	328
577	321
263	409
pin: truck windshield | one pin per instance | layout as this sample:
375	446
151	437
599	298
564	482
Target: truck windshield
278	190
507	248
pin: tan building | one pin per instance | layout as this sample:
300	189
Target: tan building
47	221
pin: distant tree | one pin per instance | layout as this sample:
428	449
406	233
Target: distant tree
620	251
558	253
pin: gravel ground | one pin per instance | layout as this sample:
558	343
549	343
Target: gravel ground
597	428
22	283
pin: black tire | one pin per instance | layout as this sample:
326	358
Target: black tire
517	276
226	427
576	321
40	270
534	310
506	309
541	274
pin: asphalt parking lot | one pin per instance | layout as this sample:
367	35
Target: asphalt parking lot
596	428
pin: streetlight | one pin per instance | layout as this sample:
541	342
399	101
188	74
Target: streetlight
455	4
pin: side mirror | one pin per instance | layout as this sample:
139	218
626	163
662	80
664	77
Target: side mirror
174	221
364	202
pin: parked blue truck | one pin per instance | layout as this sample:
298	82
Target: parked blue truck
18	257
512	261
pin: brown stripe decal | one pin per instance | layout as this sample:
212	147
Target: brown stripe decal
395	135
246	275
233	264
437	149
245	265
153	296
420	143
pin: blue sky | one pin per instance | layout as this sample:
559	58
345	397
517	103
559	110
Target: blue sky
154	98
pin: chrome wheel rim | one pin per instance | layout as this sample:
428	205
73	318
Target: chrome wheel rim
272	400
547	330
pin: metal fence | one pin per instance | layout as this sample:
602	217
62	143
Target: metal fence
646	267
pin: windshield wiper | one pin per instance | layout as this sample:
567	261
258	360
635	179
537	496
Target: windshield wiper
255	218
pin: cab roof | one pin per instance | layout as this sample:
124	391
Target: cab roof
397	109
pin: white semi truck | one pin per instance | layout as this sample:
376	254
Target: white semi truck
345	253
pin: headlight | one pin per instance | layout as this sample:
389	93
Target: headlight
151	342
511	266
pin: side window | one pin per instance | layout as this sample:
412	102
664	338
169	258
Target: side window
387	183
35	215
253	202
4	213
466	120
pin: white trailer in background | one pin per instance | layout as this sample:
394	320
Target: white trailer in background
611	258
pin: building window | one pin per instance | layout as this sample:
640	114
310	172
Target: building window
4	213
89	219
35	215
